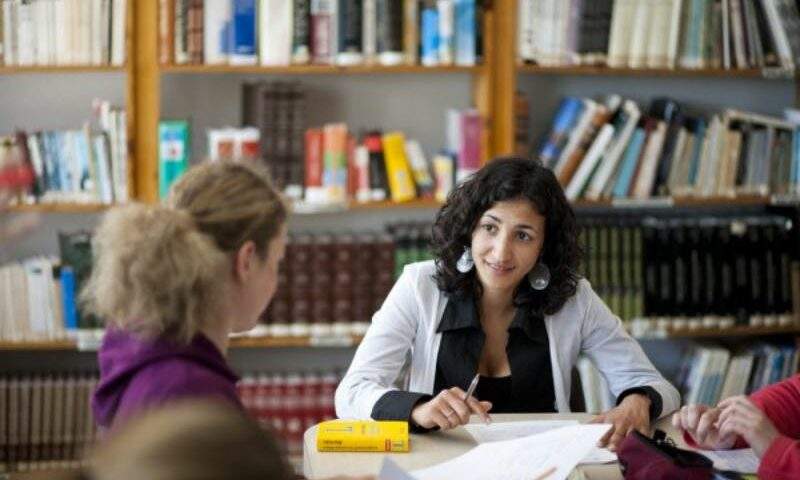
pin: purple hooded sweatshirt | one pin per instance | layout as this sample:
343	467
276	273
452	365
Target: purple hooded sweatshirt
136	374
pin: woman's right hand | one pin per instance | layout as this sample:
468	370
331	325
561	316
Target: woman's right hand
701	421
448	410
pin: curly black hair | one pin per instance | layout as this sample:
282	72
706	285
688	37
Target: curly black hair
509	178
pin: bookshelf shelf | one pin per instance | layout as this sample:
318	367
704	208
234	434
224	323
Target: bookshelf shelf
240	342
657	72
316	69
669	202
62	69
724	332
304	208
60	208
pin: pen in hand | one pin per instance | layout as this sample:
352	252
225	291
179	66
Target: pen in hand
470	391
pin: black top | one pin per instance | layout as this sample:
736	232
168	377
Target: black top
530	387
496	390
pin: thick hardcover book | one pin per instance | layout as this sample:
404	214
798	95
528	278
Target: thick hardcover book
350	26
301	31
389	32
194	33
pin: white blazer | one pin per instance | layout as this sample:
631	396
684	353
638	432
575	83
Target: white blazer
407	321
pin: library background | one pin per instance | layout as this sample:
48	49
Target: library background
670	124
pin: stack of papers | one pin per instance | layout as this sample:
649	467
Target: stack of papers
497	432
557	451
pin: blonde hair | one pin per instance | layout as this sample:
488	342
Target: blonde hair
189	440
157	269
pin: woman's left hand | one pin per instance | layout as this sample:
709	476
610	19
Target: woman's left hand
740	416
633	413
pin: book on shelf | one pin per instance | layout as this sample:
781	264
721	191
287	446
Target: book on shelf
173	153
323	32
48	420
666	152
87	165
713	373
62	32
685	273
667	34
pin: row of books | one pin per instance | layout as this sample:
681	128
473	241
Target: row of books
412	243
614	150
713	373
338	32
46	422
721	272
331	284
691	34
87	165
62	32
289	403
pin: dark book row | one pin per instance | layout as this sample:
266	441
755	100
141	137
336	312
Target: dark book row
278	111
736	267
45	420
289	404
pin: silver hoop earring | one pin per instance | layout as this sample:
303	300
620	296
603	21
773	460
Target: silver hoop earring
465	263
539	276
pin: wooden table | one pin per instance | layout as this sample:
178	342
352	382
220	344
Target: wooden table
432	448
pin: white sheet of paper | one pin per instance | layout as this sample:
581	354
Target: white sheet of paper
496	432
522	458
392	471
742	460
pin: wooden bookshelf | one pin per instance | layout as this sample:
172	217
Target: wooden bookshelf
60	208
669	202
305	341
317	69
37	69
656	72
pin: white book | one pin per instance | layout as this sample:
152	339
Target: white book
619	43
85	29
738	33
61	16
96	37
216	14
37	326
673	40
8	54
275	19
705	154
525	32
25	34
658	36
369	33
118	22
446	10
640	34
40	20
589	162
649	167
713	161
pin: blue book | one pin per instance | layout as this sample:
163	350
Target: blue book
568	113
242	32
795	175
465	27
694	164
68	298
629	161
429	36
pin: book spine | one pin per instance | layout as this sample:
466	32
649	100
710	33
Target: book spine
465	32
389	32
401	183
301	32
350	33
322	30
411	25
242	32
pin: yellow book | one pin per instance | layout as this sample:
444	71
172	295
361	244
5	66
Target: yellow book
362	436
398	170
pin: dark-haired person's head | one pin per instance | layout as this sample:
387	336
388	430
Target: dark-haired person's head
512	215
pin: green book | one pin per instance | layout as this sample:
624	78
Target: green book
173	153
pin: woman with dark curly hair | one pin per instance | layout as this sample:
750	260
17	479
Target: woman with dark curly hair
502	303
